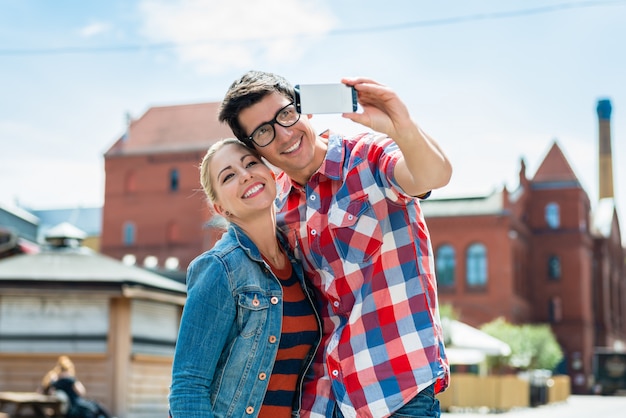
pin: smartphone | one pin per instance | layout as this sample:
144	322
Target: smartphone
325	98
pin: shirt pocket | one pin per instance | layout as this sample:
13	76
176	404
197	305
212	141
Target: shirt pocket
252	311
355	230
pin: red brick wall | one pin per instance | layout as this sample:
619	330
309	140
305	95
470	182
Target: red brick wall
153	207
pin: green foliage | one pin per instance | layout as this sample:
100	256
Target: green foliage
447	311
532	346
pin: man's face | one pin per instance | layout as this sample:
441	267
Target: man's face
295	149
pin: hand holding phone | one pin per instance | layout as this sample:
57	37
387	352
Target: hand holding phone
325	98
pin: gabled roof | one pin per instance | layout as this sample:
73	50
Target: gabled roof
555	168
172	128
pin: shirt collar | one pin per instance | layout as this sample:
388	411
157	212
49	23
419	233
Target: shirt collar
332	166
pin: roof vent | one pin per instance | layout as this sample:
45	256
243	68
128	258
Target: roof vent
65	235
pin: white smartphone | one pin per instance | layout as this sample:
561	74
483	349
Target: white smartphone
325	98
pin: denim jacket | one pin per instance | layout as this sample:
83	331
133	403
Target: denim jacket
229	332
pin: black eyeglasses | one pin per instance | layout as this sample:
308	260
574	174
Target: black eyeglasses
265	133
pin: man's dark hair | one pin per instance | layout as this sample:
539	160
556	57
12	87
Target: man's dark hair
248	90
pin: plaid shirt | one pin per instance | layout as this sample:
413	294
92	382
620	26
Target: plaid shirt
367	250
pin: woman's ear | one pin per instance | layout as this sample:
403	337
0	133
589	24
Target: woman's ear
218	209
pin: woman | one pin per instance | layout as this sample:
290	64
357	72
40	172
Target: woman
249	329
61	380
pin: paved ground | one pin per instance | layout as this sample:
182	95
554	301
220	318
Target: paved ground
577	406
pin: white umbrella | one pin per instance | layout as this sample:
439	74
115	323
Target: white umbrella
464	336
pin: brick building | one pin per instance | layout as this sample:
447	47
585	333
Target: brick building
538	254
155	213
541	253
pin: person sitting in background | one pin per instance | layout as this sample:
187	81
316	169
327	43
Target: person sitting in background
61	381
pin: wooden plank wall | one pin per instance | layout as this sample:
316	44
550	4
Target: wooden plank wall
150	379
23	373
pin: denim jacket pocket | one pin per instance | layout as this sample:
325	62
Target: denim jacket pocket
252	311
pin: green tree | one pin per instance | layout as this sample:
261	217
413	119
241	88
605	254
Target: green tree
532	346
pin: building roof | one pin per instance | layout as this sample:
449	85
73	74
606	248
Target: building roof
491	204
171	129
81	265
87	219
23	223
555	169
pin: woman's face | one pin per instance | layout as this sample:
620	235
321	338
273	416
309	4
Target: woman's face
244	185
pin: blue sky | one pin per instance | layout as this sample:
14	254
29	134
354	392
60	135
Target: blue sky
493	81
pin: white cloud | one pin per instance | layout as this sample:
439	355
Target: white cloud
217	36
94	29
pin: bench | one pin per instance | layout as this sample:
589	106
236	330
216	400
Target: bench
30	404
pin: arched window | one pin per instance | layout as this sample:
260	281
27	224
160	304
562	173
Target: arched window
130	182
174	180
445	264
553	216
554	267
172	232
555	310
476	265
129	233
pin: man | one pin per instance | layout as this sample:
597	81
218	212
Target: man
350	209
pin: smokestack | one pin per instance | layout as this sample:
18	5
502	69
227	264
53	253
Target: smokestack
605	174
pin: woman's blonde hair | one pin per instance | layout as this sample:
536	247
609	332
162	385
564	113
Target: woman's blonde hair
205	177
64	364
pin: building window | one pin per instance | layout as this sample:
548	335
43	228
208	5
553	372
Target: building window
553	217
476	265
174	180
555	313
554	267
172	232
445	265
129	233
130	182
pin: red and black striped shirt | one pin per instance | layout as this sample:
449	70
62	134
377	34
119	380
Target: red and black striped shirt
299	332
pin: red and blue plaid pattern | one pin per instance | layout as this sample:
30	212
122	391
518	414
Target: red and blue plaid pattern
367	250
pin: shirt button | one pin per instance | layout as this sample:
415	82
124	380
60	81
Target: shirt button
313	232
272	339
336	304
350	217
335	373
249	410
255	302
274	300
262	376
312	197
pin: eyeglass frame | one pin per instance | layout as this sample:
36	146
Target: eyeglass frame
272	123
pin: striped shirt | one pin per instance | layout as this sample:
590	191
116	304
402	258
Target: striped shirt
299	332
367	249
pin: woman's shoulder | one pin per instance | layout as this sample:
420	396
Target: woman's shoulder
224	263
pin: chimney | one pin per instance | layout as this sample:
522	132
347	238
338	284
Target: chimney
605	174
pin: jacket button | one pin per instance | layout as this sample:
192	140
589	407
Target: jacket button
249	410
262	376
272	339
274	300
